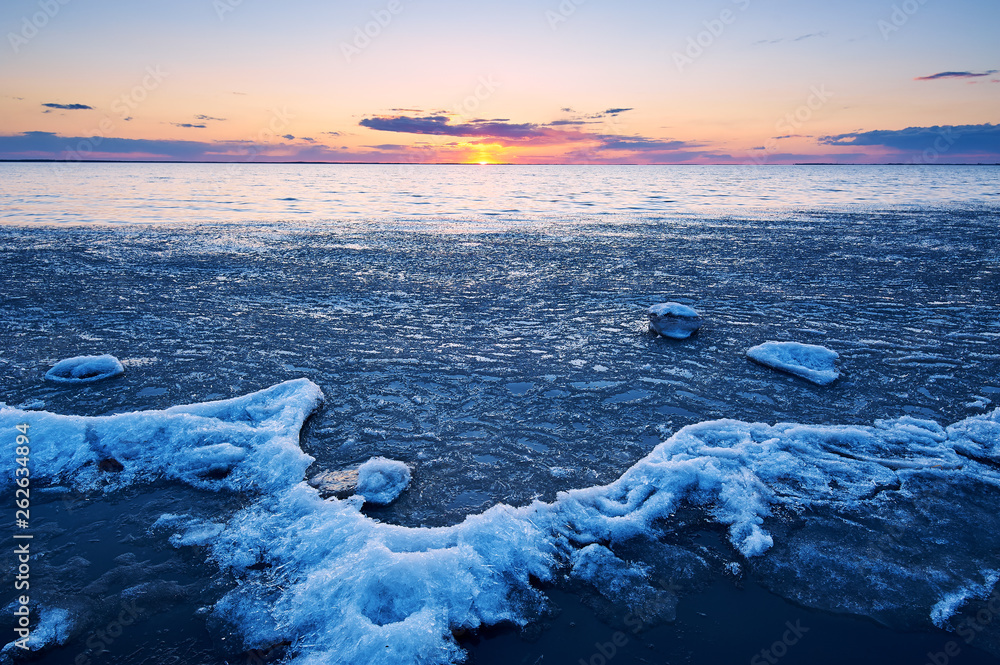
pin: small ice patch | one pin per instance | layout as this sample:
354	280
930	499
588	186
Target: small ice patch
979	402
85	369
952	602
54	627
674	320
808	361
188	530
381	480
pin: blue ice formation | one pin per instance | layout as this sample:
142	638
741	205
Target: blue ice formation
85	369
674	320
808	361
381	480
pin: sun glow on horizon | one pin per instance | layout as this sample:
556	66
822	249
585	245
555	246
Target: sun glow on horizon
485	154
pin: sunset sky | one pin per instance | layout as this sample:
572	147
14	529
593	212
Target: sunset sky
520	81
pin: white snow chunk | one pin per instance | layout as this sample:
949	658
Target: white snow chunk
53	629
808	361
85	369
674	320
381	480
248	443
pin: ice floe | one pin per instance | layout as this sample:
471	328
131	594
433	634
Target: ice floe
808	361
672	319
85	369
249	443
381	480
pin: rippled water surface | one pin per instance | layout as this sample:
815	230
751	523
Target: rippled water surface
510	365
488	196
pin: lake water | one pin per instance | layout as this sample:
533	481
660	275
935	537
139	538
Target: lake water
184	193
487	326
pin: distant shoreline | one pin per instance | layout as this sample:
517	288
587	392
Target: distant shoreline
184	161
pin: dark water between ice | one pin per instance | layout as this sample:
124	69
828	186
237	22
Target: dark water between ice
503	363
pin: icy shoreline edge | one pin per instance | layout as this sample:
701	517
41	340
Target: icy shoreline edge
356	590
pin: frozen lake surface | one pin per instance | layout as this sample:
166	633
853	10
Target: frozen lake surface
507	361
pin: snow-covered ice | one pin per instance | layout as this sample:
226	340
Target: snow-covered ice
809	361
341	587
85	369
381	480
674	320
249	443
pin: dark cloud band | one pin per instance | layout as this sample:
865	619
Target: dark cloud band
68	107
956	75
960	139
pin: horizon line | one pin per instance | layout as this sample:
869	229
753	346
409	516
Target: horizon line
255	163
